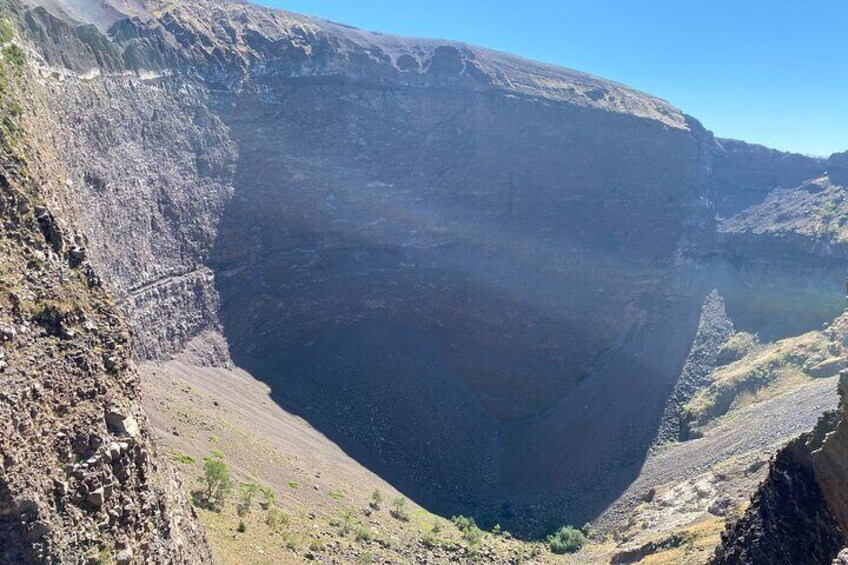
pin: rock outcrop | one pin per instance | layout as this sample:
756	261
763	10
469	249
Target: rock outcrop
799	515
80	480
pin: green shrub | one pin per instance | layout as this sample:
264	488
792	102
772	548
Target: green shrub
463	523
184	459
15	56
399	509
470	532
347	522
290	541
735	348
276	518
376	499
217	483
6	31
103	557
566	540
269	497
316	545
363	534
246	493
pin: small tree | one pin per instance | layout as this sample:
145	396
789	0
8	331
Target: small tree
217	482
399	509
463	523
566	540
470	532
269	497
246	494
376	499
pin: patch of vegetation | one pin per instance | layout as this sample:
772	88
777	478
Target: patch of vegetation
472	535
184	459
15	56
246	493
737	347
6	31
348	522
316	545
566	540
337	495
463	523
376	500
217	483
290	541
681	545
362	534
399	509
276	518
36	264
103	557
269	497
432	540
763	372
294	484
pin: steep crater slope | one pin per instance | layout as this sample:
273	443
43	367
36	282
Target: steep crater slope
80	478
449	260
417	211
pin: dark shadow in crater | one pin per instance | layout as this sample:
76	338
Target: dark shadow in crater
383	392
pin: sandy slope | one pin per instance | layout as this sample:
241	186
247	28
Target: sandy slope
198	409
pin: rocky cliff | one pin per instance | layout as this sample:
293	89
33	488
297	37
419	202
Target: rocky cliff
798	515
80	480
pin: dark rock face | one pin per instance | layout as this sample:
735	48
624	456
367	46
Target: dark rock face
498	243
80	480
450	260
745	174
837	168
784	260
508	231
714	329
789	521
799	514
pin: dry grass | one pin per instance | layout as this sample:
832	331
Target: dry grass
765	372
700	540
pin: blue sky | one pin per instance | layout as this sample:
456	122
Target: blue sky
771	72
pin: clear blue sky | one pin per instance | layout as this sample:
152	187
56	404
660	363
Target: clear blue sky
773	72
